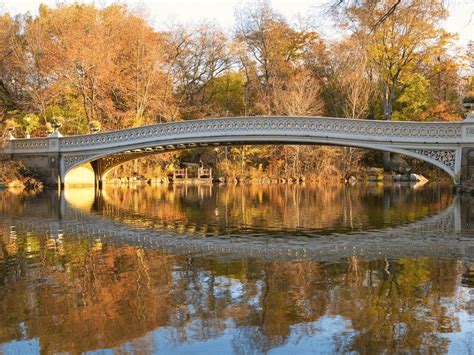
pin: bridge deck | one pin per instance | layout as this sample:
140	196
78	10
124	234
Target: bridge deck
439	143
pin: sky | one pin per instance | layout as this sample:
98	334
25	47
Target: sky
164	12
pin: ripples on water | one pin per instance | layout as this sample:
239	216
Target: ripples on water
242	269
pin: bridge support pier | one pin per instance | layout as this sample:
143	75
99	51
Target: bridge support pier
467	166
98	167
47	166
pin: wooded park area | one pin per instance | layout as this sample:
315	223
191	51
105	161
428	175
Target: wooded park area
91	68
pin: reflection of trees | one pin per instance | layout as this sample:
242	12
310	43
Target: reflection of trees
16	203
89	297
79	295
217	209
13	202
399	306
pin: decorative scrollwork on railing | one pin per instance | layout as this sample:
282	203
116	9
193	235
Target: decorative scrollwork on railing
420	138
72	160
33	143
116	160
446	157
315	126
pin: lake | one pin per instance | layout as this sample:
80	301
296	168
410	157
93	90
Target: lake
244	269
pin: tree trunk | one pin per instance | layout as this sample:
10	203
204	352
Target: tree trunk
389	97
242	157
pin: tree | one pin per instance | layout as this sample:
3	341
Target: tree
443	91
338	6
91	64
270	51
142	55
227	94
12	62
197	57
402	43
399	46
298	96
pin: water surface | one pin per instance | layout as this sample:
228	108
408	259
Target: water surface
237	269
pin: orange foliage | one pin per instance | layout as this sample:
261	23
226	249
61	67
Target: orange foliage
441	112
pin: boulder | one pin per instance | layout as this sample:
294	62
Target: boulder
399	165
351	180
418	178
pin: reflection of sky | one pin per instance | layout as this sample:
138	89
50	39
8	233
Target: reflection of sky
327	335
24	346
224	285
462	342
255	301
30	346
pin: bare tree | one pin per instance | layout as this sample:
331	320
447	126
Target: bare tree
299	96
197	56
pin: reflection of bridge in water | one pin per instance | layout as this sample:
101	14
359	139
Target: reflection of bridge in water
446	234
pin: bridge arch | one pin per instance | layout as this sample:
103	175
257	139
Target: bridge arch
82	174
443	144
105	162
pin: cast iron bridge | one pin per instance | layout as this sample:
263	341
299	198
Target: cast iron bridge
447	145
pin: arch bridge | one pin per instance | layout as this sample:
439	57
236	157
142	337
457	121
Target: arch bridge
447	145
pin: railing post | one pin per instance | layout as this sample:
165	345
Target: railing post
8	149
464	167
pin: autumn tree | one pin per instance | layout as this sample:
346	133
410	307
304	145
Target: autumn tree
271	53
400	45
113	65
12	66
142	56
299	96
85	64
198	57
350	78
227	94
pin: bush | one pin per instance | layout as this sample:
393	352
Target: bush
15	173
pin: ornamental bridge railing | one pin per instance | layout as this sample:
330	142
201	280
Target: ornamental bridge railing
439	143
